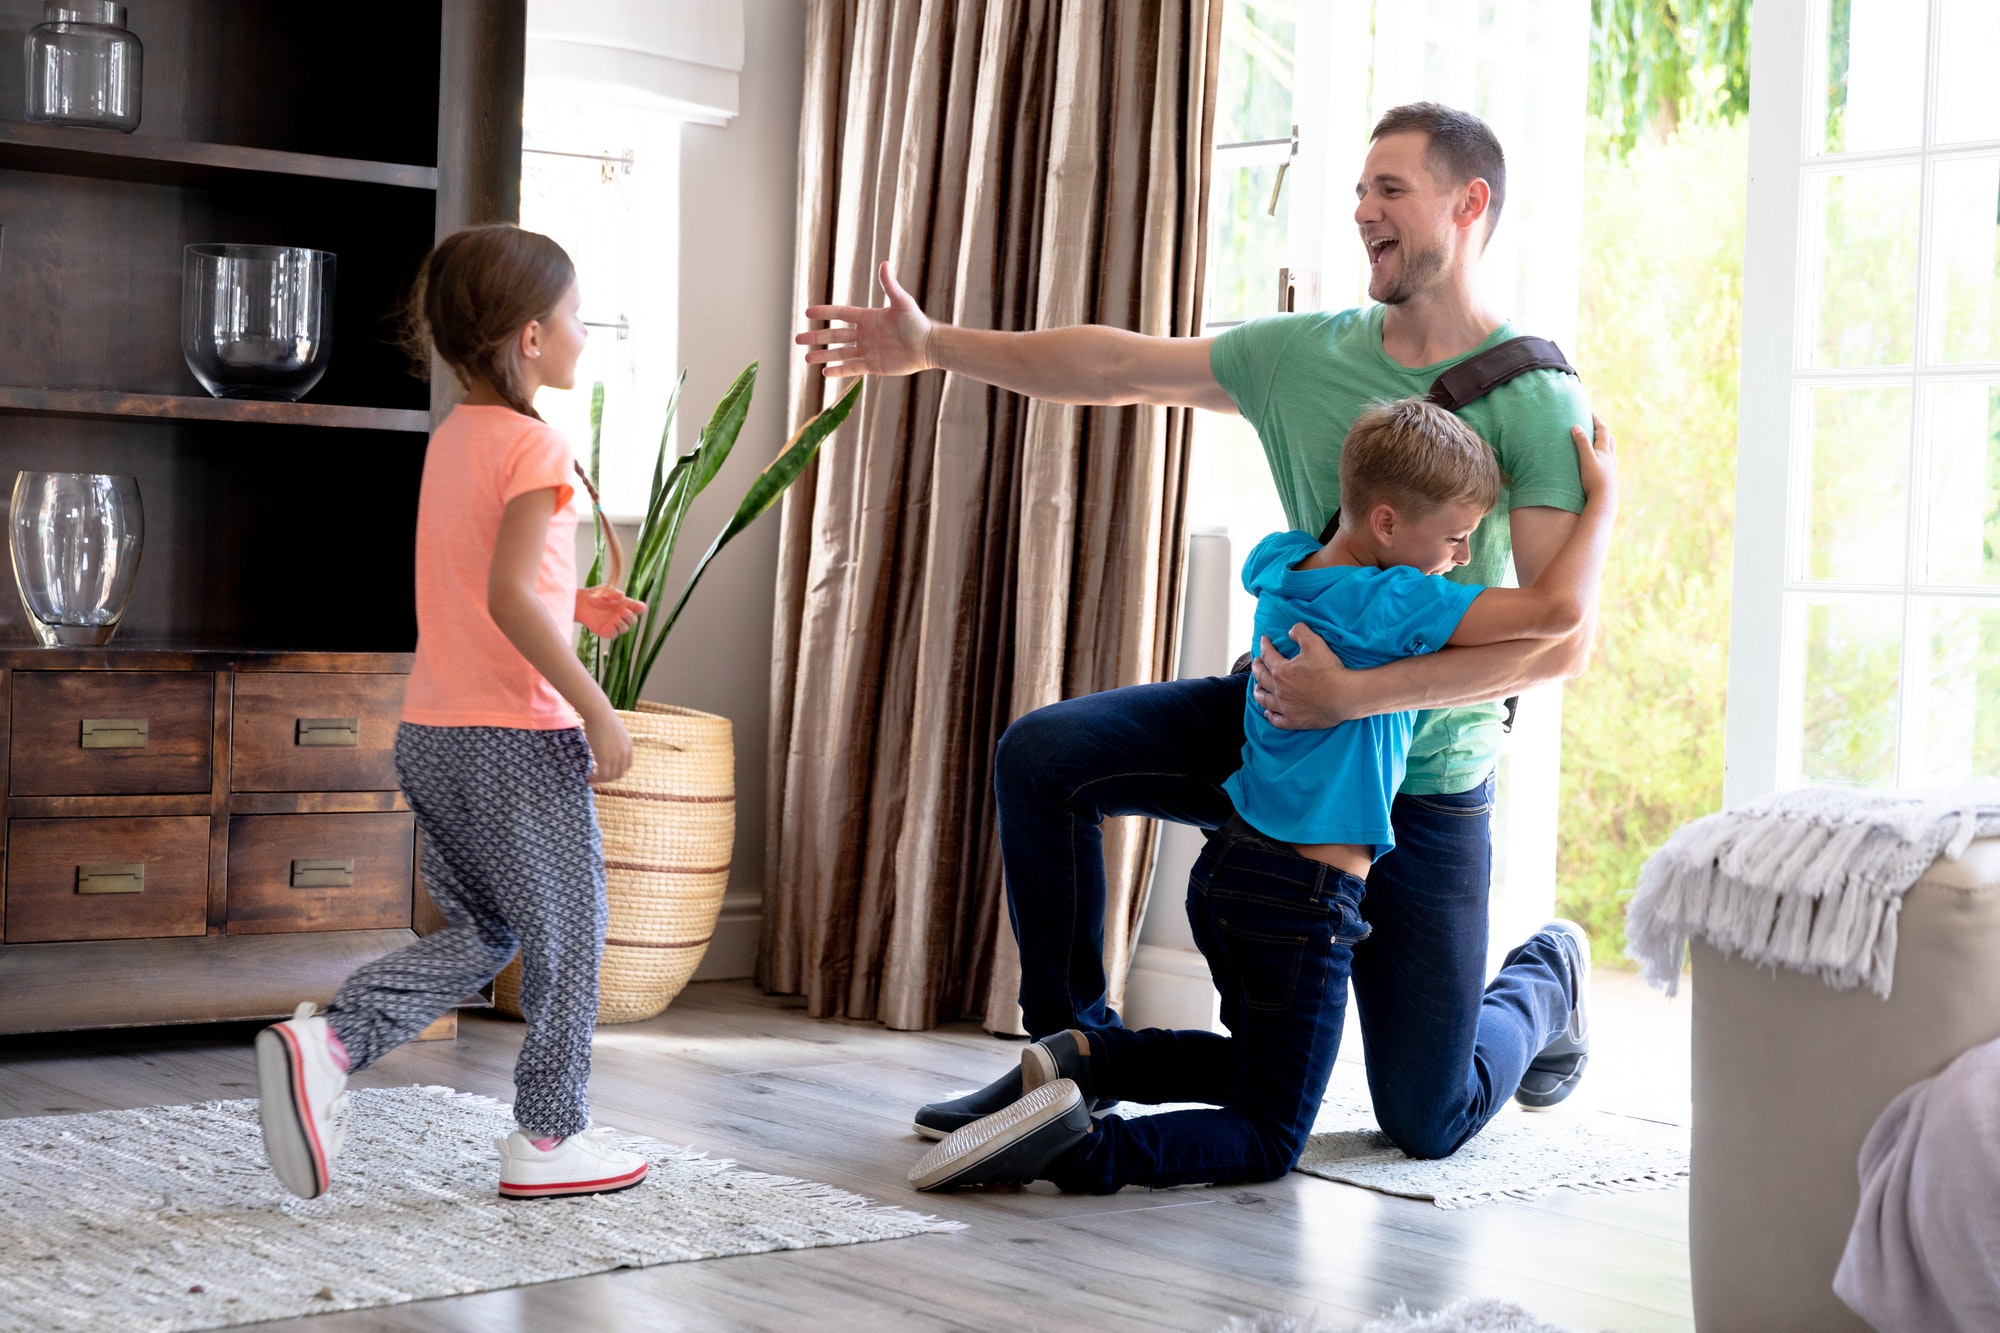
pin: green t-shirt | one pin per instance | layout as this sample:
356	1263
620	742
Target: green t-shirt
1301	380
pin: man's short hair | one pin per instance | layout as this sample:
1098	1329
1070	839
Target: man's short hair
1415	456
1462	148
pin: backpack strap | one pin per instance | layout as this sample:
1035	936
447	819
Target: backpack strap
1476	376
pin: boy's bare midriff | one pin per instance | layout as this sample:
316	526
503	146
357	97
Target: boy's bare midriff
1349	856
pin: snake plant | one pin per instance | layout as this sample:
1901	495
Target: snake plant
622	664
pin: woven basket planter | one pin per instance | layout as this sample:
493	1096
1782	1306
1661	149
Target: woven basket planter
669	825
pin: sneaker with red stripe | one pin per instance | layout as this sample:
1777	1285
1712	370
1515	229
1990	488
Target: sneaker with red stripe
586	1163
304	1102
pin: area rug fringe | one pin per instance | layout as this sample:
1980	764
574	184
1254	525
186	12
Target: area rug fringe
1656	1180
1472	1315
1811	880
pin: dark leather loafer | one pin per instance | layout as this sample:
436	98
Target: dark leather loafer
941	1118
1010	1146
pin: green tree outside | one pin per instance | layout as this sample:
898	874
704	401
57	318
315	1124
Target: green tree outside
1659	345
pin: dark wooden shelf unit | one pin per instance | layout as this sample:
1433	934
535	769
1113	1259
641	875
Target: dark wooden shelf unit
103	405
154	160
277	577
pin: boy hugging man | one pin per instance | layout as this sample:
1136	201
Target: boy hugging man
1275	897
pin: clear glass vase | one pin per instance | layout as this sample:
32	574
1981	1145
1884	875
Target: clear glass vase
256	320
85	67
76	538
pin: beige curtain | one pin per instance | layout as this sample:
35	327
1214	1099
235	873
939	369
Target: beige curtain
962	556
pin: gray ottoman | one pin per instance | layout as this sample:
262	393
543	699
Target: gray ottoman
1789	1075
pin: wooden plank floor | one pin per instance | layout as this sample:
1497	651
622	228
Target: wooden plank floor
743	1075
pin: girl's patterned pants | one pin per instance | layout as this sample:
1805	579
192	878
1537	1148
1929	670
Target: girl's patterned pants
512	857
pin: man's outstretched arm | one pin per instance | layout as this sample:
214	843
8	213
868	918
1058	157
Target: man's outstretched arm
1088	364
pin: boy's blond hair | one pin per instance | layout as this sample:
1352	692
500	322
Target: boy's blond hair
1416	457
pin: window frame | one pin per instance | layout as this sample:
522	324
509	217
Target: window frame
1765	726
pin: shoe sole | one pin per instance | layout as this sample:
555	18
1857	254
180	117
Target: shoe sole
926	1132
569	1189
967	1148
289	1139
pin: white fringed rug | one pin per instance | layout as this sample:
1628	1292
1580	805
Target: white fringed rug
1519	1155
168	1218
1468	1316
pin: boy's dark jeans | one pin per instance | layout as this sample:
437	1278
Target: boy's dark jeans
1279	933
1445	1049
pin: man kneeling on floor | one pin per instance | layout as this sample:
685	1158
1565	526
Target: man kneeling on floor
1274	899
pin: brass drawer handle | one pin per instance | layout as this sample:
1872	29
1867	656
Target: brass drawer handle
329	731
326	873
114	733
111	879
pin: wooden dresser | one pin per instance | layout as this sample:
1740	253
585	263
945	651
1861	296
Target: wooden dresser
197	836
201	818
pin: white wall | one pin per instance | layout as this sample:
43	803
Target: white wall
739	186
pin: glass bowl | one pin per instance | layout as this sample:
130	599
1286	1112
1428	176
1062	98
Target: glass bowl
256	320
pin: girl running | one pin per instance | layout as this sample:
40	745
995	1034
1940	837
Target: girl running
489	754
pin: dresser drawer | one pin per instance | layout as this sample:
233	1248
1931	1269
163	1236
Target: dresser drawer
106	879
319	872
111	733
297	731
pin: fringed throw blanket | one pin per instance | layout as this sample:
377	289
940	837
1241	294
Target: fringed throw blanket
1809	879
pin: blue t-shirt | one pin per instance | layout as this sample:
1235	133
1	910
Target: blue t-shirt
1336	784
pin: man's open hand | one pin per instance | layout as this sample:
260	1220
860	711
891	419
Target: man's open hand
870	340
1303	693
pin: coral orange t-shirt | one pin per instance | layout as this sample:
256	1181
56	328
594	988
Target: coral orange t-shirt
468	673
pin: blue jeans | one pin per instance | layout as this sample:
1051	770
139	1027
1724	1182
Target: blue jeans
1445	1051
1278	932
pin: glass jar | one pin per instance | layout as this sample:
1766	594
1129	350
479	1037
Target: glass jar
84	67
76	539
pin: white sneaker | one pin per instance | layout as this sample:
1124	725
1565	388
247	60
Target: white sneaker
304	1102
585	1163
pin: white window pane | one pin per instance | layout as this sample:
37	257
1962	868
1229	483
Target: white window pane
1968	110
1965	265
1246	245
1255	80
1959	667
619	221
1866	237
1874	75
1853	650
1856	501
1230	490
1962	431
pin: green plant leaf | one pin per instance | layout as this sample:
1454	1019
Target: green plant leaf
614	663
621	665
589	647
660	535
763	493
